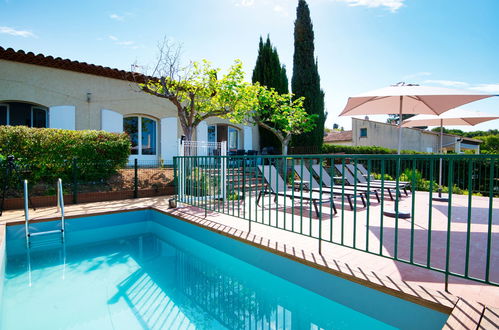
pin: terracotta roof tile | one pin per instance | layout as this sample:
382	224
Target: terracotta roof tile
21	56
338	136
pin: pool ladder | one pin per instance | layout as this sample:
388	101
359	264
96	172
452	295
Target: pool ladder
60	208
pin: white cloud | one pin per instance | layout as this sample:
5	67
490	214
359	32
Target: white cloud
245	3
16	33
392	5
280	9
416	75
488	88
448	83
125	43
117	17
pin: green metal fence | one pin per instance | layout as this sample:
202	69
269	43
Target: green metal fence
82	182
385	205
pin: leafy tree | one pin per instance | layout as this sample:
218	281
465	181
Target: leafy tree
281	114
306	80
448	131
490	144
394	118
269	72
197	90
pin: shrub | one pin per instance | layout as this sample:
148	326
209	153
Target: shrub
377	176
47	154
200	183
361	150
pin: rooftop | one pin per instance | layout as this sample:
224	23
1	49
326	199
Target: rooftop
21	56
336	136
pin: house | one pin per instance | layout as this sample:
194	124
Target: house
43	91
372	133
343	138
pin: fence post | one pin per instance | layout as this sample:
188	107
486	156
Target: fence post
75	181
135	179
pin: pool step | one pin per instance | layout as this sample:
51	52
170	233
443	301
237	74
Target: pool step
46	239
45	232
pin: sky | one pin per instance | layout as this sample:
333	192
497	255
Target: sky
360	45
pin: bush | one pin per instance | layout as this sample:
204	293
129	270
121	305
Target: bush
47	154
199	183
361	150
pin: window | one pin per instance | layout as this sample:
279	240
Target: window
38	117
25	114
233	138
363	132
4	111
212	133
143	135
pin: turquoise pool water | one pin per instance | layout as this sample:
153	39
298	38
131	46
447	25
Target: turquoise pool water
146	270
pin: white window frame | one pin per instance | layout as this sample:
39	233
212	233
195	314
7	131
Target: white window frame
139	155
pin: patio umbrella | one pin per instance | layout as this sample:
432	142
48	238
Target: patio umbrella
454	117
409	99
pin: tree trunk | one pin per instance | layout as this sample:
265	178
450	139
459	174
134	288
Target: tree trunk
285	144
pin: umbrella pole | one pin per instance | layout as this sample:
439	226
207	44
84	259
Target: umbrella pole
400	126
440	169
440	165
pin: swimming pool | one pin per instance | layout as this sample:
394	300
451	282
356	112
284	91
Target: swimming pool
147	270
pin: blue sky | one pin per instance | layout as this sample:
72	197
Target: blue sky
360	44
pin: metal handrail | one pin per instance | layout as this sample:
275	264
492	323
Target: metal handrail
60	205
26	209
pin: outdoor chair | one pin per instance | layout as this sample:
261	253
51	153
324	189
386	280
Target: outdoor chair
279	188
365	173
349	178
326	182
315	186
387	183
251	159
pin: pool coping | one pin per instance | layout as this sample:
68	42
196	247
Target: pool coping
463	313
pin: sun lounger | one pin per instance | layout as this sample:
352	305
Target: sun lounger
365	173
387	183
349	178
315	186
326	181
278	188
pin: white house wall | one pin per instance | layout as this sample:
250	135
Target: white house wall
386	135
89	95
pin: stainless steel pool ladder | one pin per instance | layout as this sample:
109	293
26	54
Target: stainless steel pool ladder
60	208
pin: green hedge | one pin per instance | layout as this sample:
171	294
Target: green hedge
47	153
361	150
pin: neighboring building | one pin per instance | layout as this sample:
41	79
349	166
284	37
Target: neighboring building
343	138
43	91
372	133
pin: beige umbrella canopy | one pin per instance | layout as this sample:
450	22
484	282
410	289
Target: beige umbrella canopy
409	99
454	117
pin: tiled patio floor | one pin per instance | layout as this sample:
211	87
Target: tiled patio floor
357	262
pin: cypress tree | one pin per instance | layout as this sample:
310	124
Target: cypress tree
269	72
306	80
